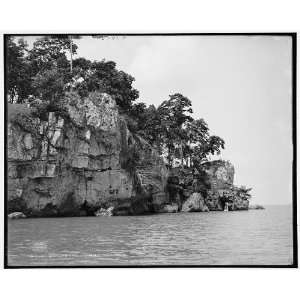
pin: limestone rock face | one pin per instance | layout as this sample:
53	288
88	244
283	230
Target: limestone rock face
240	204
213	201
207	188
77	165
220	174
194	203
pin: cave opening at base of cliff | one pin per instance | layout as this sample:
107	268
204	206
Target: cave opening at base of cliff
225	204
88	209
69	206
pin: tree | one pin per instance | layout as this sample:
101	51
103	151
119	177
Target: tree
196	133
172	129
104	77
23	65
45	72
177	109
138	111
72	47
18	71
50	90
136	117
212	145
174	114
47	50
50	52
150	127
49	85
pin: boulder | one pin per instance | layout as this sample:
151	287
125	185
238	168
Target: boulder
105	212
169	208
195	203
16	215
219	173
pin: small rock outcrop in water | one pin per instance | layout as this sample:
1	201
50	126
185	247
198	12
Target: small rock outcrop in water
209	188
256	206
87	162
16	215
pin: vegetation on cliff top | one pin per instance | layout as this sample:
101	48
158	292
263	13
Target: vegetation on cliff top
45	74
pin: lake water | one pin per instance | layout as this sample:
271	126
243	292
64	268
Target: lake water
214	238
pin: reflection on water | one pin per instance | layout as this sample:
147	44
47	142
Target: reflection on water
244	237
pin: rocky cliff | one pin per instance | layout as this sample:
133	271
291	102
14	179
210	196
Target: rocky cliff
85	161
81	162
209	188
222	190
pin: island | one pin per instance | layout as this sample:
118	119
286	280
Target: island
79	145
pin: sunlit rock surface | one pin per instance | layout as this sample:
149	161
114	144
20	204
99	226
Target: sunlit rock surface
195	203
16	215
78	165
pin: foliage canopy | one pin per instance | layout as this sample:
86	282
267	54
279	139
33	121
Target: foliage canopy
48	71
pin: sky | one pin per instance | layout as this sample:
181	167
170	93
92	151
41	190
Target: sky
240	85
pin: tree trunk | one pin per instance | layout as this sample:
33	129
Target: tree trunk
71	52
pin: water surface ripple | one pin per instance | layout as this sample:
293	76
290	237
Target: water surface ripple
214	238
